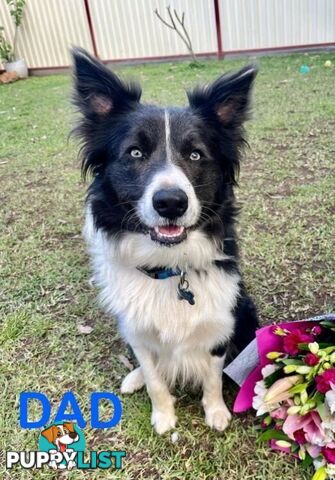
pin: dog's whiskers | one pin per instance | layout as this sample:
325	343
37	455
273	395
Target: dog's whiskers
203	184
212	203
213	212
129	215
122	203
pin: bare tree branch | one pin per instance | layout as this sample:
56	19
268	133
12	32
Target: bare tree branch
180	29
162	19
171	17
181	21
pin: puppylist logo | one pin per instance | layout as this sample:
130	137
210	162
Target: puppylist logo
62	443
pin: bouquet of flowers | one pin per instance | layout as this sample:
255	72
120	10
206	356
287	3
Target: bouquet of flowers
292	390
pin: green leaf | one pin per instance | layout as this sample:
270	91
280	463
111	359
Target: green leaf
326	323
293	361
305	348
321	409
323	345
307	462
298	388
272	434
329	349
295	448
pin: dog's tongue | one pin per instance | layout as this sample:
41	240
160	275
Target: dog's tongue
62	447
172	230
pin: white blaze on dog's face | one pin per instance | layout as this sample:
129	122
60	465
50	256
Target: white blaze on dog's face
169	204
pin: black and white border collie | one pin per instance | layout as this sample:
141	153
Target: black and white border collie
160	226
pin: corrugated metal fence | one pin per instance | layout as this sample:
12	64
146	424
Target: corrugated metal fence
129	30
266	24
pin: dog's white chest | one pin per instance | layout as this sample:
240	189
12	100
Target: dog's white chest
150	308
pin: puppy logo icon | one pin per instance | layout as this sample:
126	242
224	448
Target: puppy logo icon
62	441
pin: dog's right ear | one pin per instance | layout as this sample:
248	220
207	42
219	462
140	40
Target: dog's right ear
99	93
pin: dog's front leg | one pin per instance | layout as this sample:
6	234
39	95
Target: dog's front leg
216	411
163	417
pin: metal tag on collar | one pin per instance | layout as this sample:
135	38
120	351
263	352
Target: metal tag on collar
183	292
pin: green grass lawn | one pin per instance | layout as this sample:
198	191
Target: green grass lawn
287	239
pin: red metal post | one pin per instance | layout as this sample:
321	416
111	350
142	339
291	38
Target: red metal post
91	28
218	28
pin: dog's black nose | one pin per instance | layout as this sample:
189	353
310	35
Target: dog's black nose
170	203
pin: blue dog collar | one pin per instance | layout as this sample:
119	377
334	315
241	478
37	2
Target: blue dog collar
163	273
160	273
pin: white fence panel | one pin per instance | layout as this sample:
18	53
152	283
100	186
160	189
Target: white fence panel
261	24
48	30
130	29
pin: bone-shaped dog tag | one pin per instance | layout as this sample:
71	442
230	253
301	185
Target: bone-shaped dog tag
183	292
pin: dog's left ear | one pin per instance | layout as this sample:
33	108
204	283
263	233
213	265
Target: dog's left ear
99	93
227	99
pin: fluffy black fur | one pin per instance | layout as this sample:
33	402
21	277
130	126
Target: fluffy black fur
114	121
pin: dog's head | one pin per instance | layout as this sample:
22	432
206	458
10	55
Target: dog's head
161	172
61	435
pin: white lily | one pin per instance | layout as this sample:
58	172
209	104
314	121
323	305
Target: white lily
319	463
268	370
258	400
328	424
330	470
330	399
260	391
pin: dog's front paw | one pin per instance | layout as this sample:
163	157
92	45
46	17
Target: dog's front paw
163	420
133	381
218	417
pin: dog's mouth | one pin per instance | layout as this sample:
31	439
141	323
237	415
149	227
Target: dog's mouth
62	447
168	234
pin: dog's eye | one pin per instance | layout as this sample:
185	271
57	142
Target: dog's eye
195	155
136	153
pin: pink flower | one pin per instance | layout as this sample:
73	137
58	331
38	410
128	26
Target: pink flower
299	436
311	359
279	414
316	330
292	340
324	381
329	454
313	450
309	423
